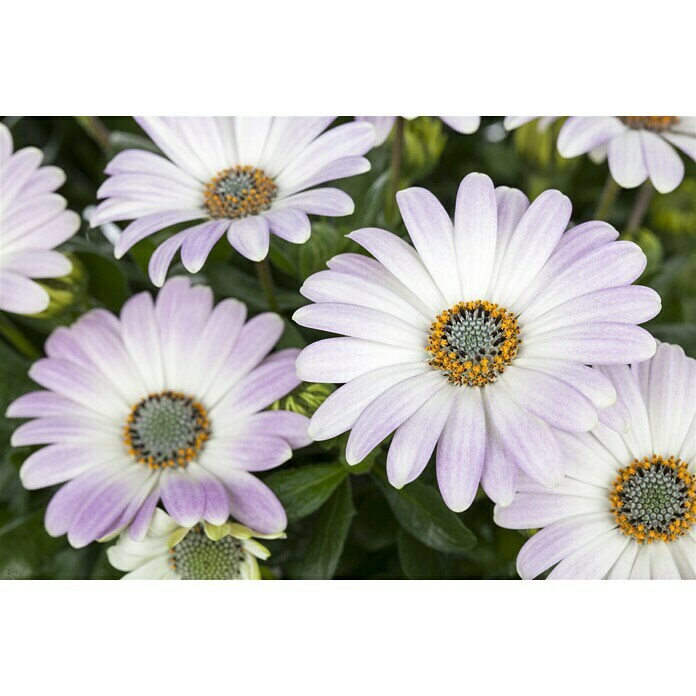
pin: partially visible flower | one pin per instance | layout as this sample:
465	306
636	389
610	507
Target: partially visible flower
478	340
240	176
165	402
33	221
637	147
384	124
627	505
202	552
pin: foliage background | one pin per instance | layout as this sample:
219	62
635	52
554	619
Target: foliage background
343	522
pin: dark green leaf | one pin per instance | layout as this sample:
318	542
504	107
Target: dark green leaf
420	562
330	532
305	489
420	510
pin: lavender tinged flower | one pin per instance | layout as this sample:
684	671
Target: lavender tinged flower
627	505
477	341
33	221
637	147
243	177
163	403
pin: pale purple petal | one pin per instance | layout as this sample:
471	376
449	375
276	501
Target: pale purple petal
532	244
322	201
432	233
163	256
250	237
183	497
534	510
388	411
145	226
415	439
593	344
580	134
560	539
461	450
292	427
475	230
665	167
342	408
21	295
463	124
626	159
289	224
199	242
594	560
59	463
526	438
550	398
254	504
338	360
360	322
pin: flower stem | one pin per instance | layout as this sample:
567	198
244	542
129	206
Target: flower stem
640	207
95	128
17	339
606	200
397	152
263	270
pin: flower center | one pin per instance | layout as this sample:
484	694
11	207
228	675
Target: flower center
654	499
239	191
166	430
473	342
196	557
653	123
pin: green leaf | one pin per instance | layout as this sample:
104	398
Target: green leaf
330	533
303	490
107	279
419	509
420	562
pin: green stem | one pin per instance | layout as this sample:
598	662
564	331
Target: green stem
640	207
95	128
17	339
606	200
397	155
263	270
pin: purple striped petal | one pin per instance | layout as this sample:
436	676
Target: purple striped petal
183	497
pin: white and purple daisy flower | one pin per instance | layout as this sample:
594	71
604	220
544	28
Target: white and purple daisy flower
240	176
637	147
383	125
627	505
478	340
33	221
163	403
202	552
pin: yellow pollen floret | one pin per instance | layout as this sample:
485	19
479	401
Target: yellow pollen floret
481	369
653	123
678	470
248	201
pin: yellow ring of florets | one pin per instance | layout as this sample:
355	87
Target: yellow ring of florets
640	532
475	372
200	426
653	123
239	191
